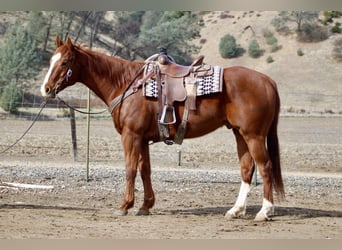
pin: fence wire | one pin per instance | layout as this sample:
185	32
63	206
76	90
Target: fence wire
50	138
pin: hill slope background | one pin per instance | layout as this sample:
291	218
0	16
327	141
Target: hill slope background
311	83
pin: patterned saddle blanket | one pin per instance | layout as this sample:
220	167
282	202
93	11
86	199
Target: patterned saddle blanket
206	84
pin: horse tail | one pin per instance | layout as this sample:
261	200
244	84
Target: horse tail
273	149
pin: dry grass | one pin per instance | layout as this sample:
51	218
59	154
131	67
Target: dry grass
309	83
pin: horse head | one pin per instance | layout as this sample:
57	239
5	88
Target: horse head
60	74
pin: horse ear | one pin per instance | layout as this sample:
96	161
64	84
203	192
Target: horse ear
69	43
59	42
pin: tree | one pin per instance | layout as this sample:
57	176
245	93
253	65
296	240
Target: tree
37	25
18	58
126	32
299	17
10	97
65	20
85	15
49	18
173	30
95	20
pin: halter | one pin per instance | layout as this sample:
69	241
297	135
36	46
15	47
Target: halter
67	75
66	79
115	102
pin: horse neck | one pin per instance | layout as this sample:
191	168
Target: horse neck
106	76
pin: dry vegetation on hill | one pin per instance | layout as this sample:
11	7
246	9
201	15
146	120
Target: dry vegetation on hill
310	84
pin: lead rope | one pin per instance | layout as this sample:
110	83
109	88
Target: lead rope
42	106
78	110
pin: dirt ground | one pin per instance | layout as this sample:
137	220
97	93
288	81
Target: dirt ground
191	199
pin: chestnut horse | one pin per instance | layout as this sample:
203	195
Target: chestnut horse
248	104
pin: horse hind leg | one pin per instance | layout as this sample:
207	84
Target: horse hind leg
260	155
247	169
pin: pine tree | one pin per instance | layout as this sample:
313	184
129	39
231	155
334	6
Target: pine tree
18	56
19	62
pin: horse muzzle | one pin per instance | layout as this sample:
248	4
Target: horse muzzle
48	92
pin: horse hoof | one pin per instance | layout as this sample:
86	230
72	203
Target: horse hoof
229	216
260	217
120	212
142	212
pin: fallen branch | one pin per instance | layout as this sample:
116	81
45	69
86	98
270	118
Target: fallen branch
22	185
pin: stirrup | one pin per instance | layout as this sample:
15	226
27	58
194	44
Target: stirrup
165	115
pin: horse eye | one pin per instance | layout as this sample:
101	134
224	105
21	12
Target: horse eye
64	63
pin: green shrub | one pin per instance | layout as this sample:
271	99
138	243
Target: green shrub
336	28
269	59
280	26
312	33
270	39
275	47
254	50
278	23
267	33
329	15
228	47
300	52
10	98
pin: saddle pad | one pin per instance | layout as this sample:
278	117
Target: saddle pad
205	85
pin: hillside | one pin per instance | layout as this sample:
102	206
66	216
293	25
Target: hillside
311	83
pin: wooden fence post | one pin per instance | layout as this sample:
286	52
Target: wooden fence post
88	136
73	133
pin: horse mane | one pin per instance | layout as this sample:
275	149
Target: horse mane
120	70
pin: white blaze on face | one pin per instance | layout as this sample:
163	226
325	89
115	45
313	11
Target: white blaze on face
54	59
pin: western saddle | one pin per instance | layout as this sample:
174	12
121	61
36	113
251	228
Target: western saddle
175	82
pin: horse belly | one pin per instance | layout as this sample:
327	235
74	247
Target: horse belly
208	116
200	129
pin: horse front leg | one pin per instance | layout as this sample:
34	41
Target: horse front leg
132	150
145	171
